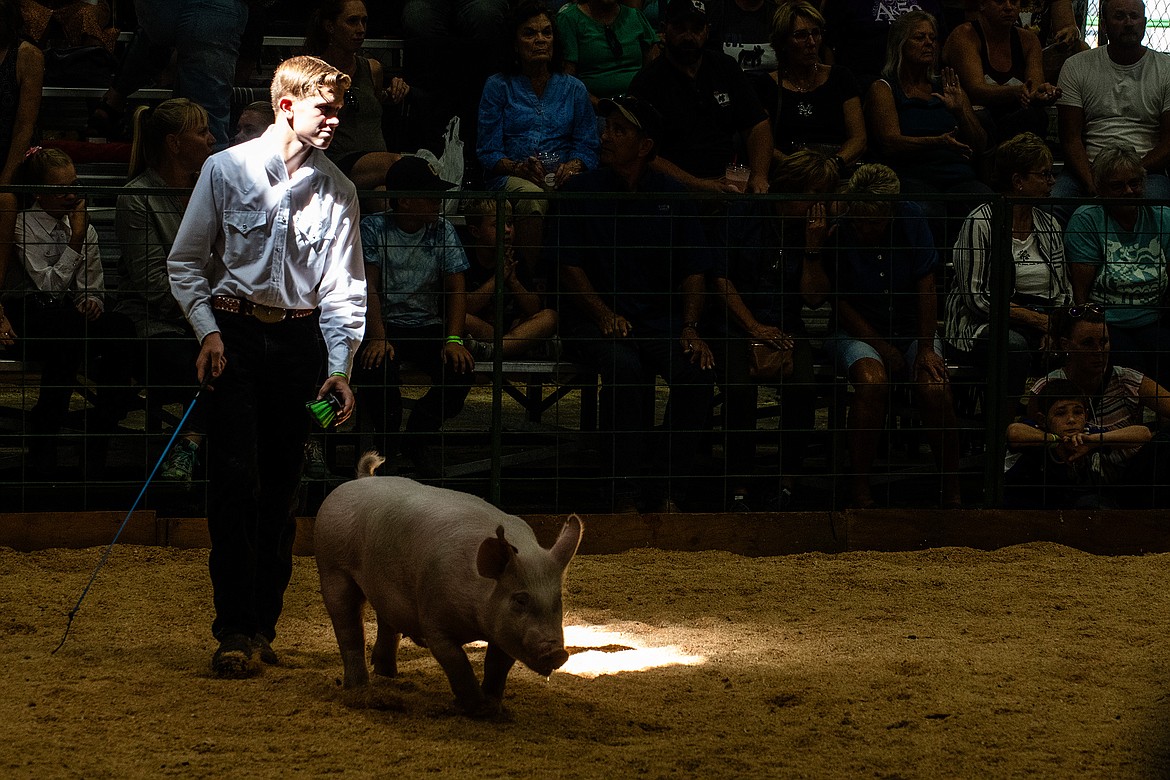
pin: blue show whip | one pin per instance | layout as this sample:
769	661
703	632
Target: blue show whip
121	528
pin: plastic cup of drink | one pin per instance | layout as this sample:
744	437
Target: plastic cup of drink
550	161
738	176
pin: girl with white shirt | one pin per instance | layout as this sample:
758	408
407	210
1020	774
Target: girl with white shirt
56	302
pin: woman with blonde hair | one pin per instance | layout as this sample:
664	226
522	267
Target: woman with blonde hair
171	143
885	313
811	104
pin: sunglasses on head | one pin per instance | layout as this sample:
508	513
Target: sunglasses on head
1086	310
611	40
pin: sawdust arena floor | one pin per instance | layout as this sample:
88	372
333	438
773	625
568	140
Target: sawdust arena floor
1032	660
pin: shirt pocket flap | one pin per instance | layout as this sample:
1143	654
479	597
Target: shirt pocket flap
244	222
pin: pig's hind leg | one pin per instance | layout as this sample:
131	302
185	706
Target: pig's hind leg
385	653
344	600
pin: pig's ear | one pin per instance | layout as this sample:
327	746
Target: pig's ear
494	555
565	546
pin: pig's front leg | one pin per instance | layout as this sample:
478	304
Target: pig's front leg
460	675
496	665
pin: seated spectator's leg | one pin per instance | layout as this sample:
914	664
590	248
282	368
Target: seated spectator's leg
528	216
867	411
1067	186
148	53
208	44
1017	368
52	334
529	334
113	340
740	398
444	399
688	410
378	391
626	406
798	399
938	415
109	343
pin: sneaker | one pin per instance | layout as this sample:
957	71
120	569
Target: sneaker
180	463
482	351
315	467
235	658
264	650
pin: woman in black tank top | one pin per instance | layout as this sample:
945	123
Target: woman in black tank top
1001	67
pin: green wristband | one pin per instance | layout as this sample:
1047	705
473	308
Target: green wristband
341	374
455	340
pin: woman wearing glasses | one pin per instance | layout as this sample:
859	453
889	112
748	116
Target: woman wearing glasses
1117	257
812	105
337	30
1117	397
606	43
1037	278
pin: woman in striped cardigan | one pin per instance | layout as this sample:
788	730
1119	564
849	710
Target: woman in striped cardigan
1038	277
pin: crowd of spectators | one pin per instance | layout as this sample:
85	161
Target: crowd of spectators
889	136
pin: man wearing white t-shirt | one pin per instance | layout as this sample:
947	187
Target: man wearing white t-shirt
1114	93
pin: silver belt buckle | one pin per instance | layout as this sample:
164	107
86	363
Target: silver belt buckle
269	315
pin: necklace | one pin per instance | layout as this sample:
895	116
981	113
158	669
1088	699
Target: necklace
805	84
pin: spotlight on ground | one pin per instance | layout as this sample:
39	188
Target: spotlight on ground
597	650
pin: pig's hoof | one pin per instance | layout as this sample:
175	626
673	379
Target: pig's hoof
484	709
235	658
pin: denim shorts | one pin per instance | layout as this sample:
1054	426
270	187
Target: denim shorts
847	350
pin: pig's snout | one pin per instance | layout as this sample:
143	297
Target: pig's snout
550	660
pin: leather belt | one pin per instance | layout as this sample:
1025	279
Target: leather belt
266	314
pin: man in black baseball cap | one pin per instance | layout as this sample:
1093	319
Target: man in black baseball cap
640	114
705	102
615	315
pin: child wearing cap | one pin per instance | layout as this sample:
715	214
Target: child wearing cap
417	311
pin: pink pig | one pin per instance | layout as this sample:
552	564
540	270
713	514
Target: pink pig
444	568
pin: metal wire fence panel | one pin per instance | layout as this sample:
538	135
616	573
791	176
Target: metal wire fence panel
655	352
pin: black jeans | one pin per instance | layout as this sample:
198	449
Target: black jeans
638	458
257	428
741	405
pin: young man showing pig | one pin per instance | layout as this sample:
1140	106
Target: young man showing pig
268	261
